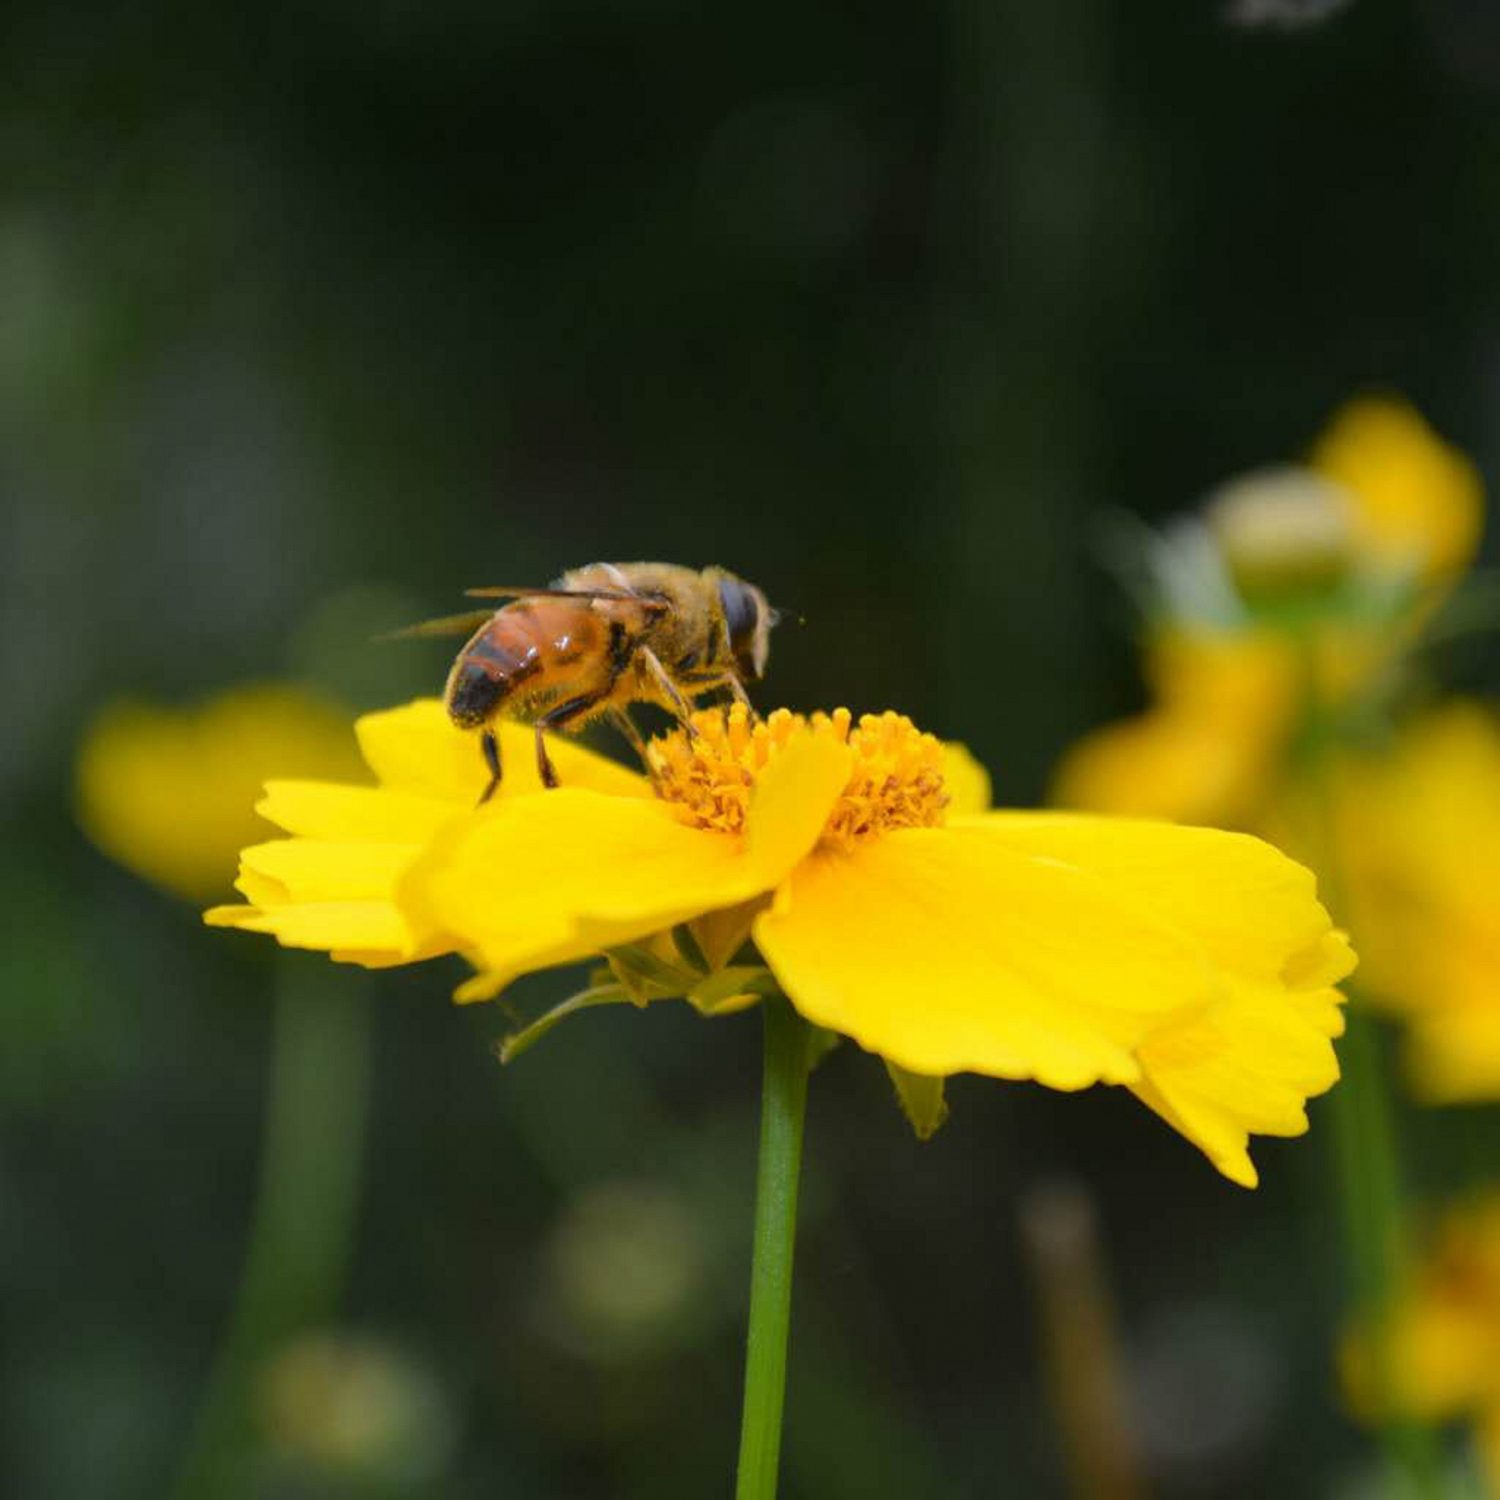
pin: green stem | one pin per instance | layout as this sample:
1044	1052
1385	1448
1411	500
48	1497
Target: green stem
1370	1176
303	1219
1369	1169
783	1107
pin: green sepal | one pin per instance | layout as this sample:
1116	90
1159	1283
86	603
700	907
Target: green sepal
512	1046
686	942
921	1099
820	1042
735	988
646	977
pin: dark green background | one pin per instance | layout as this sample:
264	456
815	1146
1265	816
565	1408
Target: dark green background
310	317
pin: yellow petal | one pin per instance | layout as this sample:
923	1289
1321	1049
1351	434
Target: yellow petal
365	932
544	880
417	748
1453	1054
328	895
1248	1063
326	870
946	952
1224	702
1165	763
1248	1066
332	885
1419	502
329	810
1252	909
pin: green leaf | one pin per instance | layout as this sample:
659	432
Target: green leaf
921	1099
517	1042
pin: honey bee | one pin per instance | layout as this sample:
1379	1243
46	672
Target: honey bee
599	639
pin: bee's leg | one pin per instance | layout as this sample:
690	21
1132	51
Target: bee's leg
669	690
738	693
544	767
622	721
490	745
559	718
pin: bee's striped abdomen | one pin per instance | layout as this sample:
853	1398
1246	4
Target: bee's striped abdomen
498	659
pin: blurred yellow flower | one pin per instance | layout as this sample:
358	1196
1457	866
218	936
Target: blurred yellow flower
1419	844
1192	966
1442	1337
168	792
1387	517
1224	703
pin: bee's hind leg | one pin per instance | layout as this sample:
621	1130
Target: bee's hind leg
544	767
574	710
490	745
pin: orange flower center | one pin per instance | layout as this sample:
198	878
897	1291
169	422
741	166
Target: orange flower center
896	779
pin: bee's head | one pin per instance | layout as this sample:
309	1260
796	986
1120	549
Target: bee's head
748	619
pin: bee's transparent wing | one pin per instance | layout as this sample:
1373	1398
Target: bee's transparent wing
497	591
464	624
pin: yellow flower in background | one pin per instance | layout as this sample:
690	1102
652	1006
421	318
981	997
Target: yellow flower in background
889	905
168	792
1442	1337
1224	703
1320	576
1418	834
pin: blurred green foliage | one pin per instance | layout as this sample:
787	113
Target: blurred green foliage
310	318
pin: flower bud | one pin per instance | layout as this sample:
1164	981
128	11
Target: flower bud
1283	532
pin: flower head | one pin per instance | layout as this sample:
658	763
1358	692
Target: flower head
168	792
879	892
1442	1335
1311	577
1418	832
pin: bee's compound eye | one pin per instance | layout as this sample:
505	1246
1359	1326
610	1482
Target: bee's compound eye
747	621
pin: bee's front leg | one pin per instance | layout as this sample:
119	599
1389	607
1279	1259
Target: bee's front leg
622	721
738	693
670	692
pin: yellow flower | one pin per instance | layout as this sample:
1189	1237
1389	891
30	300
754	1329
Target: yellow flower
1194	967
167	792
1228	693
1418	833
1442	1336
